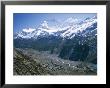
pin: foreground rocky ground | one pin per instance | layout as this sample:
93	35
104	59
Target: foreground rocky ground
32	62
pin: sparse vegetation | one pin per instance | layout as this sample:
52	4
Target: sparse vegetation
32	62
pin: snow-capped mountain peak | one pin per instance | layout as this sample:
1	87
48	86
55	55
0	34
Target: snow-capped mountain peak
66	31
72	30
44	28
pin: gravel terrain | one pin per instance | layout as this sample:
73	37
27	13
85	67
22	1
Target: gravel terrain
32	62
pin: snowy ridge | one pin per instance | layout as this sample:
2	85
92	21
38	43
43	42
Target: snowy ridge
79	28
68	29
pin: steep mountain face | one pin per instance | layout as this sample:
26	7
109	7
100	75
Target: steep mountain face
82	47
73	40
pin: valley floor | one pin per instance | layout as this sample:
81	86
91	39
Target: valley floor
32	62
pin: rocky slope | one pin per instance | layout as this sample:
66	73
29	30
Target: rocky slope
32	62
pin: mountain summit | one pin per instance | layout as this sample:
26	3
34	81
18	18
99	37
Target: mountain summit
68	29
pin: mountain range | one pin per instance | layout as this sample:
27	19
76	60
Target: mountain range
72	39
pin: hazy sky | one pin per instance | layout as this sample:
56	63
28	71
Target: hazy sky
32	20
